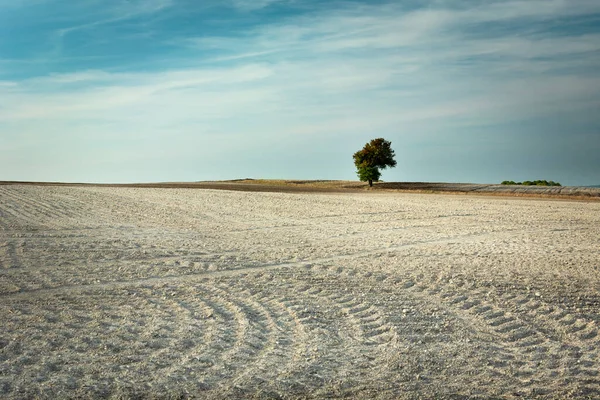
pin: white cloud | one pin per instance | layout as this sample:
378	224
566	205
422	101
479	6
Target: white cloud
328	57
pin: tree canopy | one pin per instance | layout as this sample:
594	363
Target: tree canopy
376	155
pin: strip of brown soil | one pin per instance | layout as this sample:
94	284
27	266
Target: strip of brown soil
335	186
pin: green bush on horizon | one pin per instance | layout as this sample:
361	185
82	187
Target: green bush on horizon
538	182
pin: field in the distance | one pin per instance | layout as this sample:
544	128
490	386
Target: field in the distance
147	292
587	193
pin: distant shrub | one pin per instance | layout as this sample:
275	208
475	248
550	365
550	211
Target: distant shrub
539	182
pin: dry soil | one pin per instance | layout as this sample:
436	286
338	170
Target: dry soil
113	292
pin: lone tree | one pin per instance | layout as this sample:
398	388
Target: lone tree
376	155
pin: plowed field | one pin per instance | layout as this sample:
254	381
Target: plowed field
110	292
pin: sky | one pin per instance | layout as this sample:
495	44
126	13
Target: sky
124	91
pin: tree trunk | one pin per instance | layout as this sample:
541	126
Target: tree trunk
370	182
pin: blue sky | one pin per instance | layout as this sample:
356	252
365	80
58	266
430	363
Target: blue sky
184	90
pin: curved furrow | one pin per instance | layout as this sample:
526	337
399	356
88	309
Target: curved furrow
329	328
534	357
366	336
260	340
139	340
198	335
369	320
555	321
191	326
209	340
564	323
283	335
384	344
288	378
577	337
518	352
264	350
326	349
229	345
546	354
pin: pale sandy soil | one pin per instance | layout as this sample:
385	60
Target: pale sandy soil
175	293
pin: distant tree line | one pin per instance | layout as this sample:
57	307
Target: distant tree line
532	183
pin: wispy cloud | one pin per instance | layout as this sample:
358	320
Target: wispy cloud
77	95
249	5
115	12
